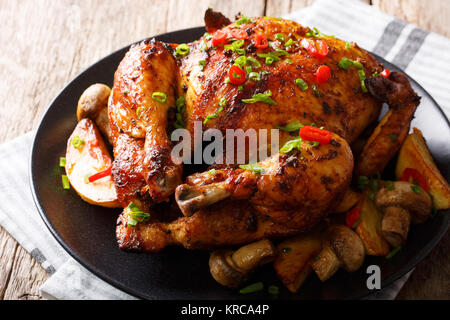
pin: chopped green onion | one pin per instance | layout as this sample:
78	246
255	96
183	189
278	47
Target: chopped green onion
375	74
289	61
255	76
273	56
161	97
362	77
125	92
136	215
212	172
362	182
393	252
252	167
243	20
264	72
77	142
316	91
65	182
62	162
180	104
182	50
273	290
293	126
253	61
291	145
374	185
241	61
314	32
416	189
252	288
301	84
389	185
236	46
207	36
288	43
280	37
202	64
222	103
138	111
261	97
347	46
345	63
393	137
241	87
248	69
286	250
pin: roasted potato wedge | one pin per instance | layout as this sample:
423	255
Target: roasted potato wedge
369	228
351	198
293	263
415	154
86	155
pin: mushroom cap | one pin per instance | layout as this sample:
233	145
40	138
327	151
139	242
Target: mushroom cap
222	271
347	246
92	101
402	195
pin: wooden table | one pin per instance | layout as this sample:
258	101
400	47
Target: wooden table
46	43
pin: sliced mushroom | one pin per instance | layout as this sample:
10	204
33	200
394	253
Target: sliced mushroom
231	268
93	104
402	203
343	248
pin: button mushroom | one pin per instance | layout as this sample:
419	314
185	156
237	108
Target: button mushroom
342	248
93	104
231	268
402	203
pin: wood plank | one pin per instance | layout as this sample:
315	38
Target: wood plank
277	8
431	15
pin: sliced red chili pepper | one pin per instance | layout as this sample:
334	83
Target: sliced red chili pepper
412	175
236	75
323	74
385	73
100	174
320	52
310	133
219	37
261	42
352	217
239	34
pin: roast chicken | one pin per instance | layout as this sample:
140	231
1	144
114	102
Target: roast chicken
159	87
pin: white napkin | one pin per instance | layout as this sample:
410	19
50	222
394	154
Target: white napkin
421	54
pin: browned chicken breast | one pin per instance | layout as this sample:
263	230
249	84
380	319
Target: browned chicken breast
260	73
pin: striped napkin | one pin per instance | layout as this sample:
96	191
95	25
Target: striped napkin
412	49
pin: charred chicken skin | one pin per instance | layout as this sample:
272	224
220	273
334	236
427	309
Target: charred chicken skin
292	191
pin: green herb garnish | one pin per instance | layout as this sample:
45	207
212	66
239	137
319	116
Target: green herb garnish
62	162
65	182
259	286
362	182
182	50
416	189
389	185
77	142
261	97
286	250
202	64
243	20
273	290
291	145
256	168
161	97
222	103
301	84
293	126
136	215
180	105
393	252
314	32
316	91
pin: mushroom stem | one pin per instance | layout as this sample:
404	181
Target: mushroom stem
192	198
231	269
253	255
395	225
343	249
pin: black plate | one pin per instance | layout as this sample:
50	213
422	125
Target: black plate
88	232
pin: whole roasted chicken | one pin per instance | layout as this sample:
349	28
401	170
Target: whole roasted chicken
255	73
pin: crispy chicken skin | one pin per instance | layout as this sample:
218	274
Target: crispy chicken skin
342	107
295	192
235	206
148	68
